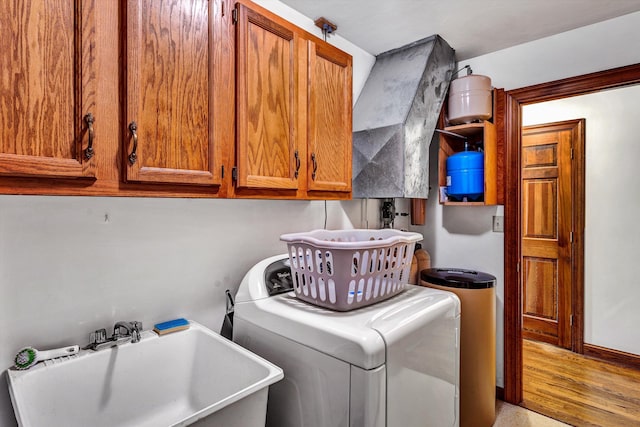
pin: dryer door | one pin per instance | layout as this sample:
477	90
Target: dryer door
422	360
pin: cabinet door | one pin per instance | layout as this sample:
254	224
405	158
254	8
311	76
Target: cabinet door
169	95
267	155
329	122
47	86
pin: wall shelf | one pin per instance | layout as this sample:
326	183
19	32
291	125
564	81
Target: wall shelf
481	135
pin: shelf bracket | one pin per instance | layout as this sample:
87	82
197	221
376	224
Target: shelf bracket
446	132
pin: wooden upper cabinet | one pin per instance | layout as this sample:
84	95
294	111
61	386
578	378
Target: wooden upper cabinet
195	98
329	123
47	87
267	100
169	97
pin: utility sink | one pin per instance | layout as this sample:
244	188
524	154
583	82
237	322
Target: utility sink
191	377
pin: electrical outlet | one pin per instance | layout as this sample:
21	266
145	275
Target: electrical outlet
498	224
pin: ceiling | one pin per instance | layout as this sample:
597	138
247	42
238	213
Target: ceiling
471	27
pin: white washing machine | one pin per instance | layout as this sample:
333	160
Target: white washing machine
394	363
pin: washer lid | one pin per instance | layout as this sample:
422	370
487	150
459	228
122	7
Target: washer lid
356	337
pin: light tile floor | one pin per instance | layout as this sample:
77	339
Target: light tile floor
508	415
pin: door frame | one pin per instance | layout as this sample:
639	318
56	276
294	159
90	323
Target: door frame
513	101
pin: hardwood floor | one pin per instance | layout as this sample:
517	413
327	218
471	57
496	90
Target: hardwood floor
577	389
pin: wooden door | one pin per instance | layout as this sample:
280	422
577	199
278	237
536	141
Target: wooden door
47	88
268	156
169	95
329	118
548	200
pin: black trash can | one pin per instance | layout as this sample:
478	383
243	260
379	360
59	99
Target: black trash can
476	291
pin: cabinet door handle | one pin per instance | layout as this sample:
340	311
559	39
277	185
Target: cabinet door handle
88	152
315	166
133	127
297	157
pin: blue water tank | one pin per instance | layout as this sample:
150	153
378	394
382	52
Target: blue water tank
465	175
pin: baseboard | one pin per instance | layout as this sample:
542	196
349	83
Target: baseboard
539	336
614	356
499	393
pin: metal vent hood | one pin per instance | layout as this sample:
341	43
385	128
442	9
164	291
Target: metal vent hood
395	118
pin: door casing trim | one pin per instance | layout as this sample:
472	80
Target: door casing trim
514	100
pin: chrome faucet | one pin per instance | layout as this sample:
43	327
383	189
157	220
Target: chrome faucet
123	332
135	329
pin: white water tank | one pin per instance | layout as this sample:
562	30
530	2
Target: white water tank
470	99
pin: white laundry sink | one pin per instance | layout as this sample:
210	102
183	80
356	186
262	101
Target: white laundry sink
178	379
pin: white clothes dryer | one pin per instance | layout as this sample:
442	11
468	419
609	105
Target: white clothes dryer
394	363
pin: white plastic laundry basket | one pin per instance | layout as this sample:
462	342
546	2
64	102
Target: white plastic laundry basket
347	269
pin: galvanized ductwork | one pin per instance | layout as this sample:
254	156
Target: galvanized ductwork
395	118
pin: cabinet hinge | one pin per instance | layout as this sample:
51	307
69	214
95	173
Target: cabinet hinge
518	268
222	8
234	16
222	171
571	237
572	153
571	320
234	173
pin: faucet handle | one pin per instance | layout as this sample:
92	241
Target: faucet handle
97	337
136	330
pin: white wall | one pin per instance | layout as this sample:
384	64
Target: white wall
457	236
66	270
612	207
70	265
596	47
